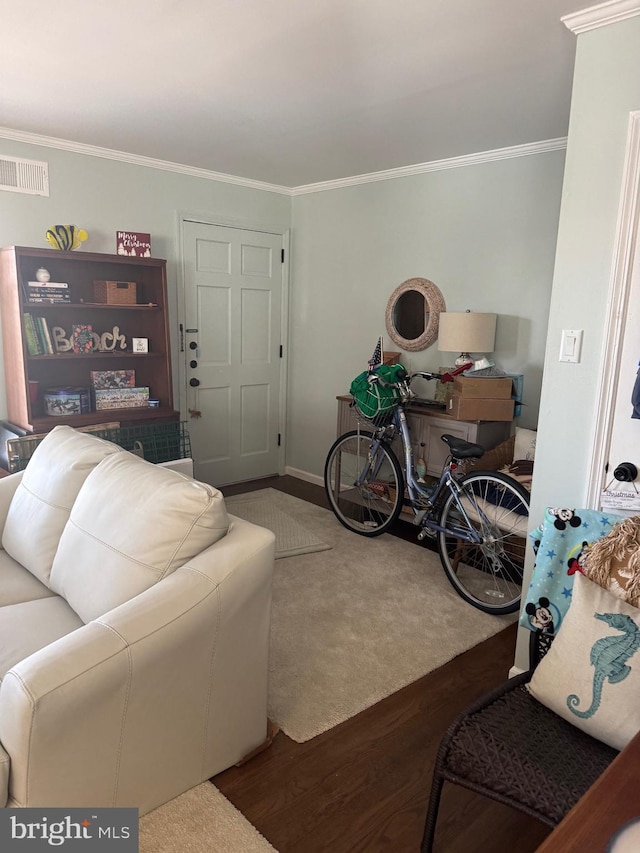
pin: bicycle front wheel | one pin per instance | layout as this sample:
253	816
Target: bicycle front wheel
365	487
488	574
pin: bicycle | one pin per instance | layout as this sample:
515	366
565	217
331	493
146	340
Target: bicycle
479	519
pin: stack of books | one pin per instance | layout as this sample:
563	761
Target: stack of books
37	334
47	292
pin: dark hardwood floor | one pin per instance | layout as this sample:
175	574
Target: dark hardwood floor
364	785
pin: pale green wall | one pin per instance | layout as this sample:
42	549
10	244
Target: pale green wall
105	196
606	89
485	234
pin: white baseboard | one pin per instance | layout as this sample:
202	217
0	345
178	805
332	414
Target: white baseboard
304	475
515	670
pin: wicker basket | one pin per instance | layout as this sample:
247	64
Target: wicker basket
373	402
498	457
114	292
492	460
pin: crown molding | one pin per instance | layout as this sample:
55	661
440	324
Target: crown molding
438	165
137	160
323	186
601	15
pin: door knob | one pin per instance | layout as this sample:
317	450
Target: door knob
193	363
626	472
193	345
194	382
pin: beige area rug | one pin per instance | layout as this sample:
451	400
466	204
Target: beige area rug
292	538
355	624
201	820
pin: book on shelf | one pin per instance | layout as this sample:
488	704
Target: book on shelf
45	285
43	336
82	338
33	344
46	292
40	299
46	336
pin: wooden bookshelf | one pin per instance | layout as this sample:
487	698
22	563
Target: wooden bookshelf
148	318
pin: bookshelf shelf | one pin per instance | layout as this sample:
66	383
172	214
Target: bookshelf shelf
74	356
66	306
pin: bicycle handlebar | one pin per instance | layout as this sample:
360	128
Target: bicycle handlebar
424	375
409	377
404	380
443	377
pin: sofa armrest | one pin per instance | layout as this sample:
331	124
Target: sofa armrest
8	486
154	697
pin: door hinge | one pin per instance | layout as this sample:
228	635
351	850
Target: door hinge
278	439
280	350
282	255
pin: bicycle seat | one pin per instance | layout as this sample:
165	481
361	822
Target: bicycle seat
461	449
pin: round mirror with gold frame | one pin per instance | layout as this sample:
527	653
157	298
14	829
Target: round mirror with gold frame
413	314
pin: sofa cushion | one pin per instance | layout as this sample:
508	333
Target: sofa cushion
131	525
17	584
28	627
40	508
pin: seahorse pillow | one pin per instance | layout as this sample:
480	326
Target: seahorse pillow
591	674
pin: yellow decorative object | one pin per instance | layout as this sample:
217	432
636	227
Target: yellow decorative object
65	237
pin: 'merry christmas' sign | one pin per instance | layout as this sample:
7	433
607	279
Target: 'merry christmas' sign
133	243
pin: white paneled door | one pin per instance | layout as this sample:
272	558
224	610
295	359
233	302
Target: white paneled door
233	303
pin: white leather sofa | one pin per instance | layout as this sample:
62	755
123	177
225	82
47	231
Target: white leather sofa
134	628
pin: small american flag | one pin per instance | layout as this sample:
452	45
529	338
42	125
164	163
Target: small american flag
376	358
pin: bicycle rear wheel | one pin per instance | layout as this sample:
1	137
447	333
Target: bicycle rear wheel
487	575
372	507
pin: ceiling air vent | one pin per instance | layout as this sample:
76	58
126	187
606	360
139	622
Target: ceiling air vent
24	176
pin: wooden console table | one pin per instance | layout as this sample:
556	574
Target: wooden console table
612	801
427	425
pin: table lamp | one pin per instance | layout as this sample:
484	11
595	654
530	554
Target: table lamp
466	332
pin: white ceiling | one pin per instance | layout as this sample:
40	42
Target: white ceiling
289	92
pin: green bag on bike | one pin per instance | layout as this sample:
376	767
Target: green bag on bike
375	399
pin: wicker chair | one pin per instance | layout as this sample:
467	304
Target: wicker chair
512	749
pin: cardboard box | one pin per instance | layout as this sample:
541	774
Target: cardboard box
477	409
120	398
477	387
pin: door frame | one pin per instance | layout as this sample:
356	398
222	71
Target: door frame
241	225
627	232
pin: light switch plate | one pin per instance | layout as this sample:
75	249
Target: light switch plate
571	345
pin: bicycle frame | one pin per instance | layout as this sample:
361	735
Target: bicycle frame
421	499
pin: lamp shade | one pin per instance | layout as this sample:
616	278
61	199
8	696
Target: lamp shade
467	332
